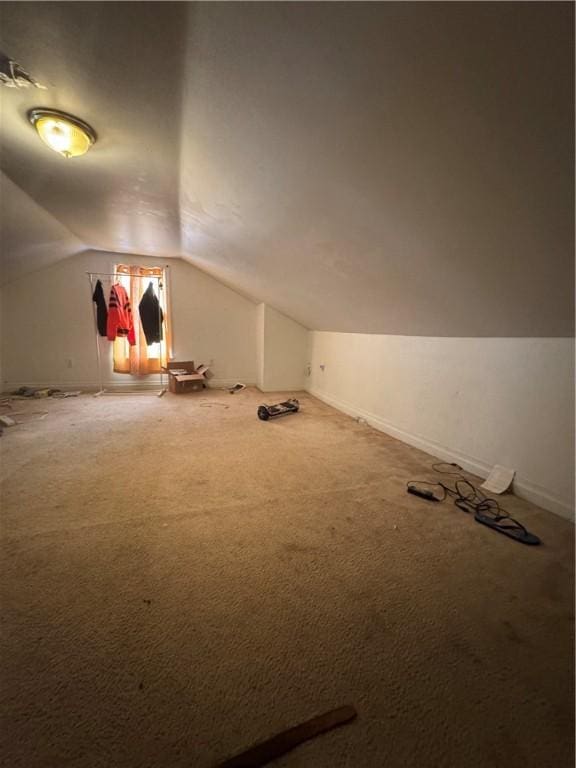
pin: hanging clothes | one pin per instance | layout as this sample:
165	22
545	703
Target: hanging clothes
151	316
120	321
101	309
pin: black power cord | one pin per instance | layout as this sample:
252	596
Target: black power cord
470	499
466	496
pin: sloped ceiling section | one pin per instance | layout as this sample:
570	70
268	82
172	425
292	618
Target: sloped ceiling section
401	168
30	238
118	66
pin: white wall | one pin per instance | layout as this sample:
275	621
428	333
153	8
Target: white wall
48	320
479	402
282	351
260	324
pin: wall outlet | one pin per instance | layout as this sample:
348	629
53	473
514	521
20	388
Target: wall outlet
322	366
69	362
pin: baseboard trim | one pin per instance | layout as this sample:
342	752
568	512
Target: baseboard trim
225	383
88	386
522	487
136	383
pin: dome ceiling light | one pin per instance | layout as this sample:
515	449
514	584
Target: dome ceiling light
65	134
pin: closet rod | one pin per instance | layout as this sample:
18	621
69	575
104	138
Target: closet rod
103	391
121	274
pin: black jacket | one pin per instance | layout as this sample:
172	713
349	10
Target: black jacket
101	309
151	316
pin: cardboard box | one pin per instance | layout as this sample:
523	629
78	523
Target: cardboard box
183	377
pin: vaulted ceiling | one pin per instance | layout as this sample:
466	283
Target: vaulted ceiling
402	168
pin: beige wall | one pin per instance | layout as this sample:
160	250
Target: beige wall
260	345
479	402
48	321
282	351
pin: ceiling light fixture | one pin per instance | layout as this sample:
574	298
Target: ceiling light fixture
65	134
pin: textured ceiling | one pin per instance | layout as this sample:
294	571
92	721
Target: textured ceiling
399	168
118	66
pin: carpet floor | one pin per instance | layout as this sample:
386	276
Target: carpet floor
180	580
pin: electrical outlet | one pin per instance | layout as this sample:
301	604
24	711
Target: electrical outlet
69	362
322	366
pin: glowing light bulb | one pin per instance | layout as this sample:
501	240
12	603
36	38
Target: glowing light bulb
65	134
58	135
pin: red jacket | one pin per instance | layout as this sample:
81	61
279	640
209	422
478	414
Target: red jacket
120	315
